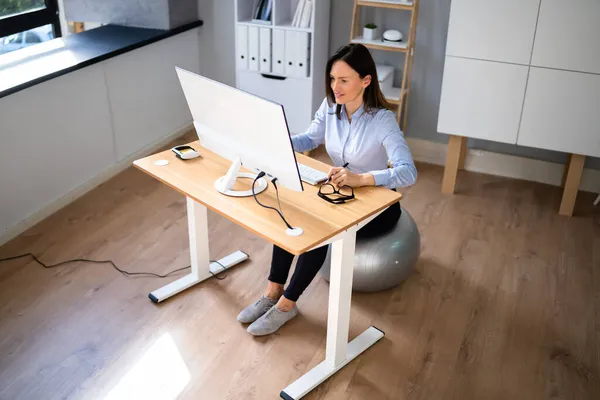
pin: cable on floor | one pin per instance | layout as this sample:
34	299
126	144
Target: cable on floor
127	273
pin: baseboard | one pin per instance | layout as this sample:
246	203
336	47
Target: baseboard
504	165
82	189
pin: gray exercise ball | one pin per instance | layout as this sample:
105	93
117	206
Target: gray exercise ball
383	261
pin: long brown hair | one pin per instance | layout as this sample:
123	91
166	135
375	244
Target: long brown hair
359	58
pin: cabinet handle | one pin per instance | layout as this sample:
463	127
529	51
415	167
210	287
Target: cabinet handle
279	78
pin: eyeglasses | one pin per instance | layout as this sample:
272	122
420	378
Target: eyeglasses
329	193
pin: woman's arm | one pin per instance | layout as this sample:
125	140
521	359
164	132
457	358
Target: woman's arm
315	134
402	171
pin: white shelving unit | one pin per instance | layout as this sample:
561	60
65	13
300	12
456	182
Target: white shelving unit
282	62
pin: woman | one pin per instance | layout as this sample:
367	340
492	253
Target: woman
359	131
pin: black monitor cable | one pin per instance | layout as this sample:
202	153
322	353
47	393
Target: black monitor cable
260	175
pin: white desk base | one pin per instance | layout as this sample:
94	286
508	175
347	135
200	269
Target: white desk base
325	369
198	232
338	352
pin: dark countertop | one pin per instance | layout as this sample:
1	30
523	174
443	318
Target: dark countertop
35	64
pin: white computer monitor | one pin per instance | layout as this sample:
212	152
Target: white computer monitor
242	128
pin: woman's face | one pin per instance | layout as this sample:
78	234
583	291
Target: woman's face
346	84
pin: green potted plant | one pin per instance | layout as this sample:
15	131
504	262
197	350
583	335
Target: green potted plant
370	31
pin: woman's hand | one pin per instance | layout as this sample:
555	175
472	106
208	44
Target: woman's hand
340	176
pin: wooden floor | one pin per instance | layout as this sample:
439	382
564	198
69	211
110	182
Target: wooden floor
504	304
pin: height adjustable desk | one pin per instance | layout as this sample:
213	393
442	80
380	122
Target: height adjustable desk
323	223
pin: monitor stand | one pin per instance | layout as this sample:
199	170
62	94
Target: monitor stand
225	183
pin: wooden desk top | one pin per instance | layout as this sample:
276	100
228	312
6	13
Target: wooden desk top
319	219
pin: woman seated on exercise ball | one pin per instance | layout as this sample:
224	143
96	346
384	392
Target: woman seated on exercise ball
360	131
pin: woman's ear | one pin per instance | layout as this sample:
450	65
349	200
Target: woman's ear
366	81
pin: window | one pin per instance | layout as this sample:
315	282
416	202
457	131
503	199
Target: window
12	7
32	38
27	22
14	39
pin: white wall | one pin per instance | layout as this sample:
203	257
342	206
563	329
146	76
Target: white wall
46	152
217	40
62	137
144	94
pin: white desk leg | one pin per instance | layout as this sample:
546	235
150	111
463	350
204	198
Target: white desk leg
338	352
202	268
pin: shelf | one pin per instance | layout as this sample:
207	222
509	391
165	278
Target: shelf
267	24
288	25
398	5
392	94
381	45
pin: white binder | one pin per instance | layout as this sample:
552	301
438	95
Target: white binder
265	50
290	53
306	14
242	47
278	57
301	54
253	48
298	13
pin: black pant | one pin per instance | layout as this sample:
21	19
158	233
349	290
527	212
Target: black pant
311	262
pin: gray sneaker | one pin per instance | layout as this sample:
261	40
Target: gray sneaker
256	309
271	321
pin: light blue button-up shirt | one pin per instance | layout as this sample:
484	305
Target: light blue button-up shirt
367	144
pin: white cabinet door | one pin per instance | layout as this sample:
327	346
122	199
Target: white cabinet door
567	35
293	93
482	99
561	112
497	30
